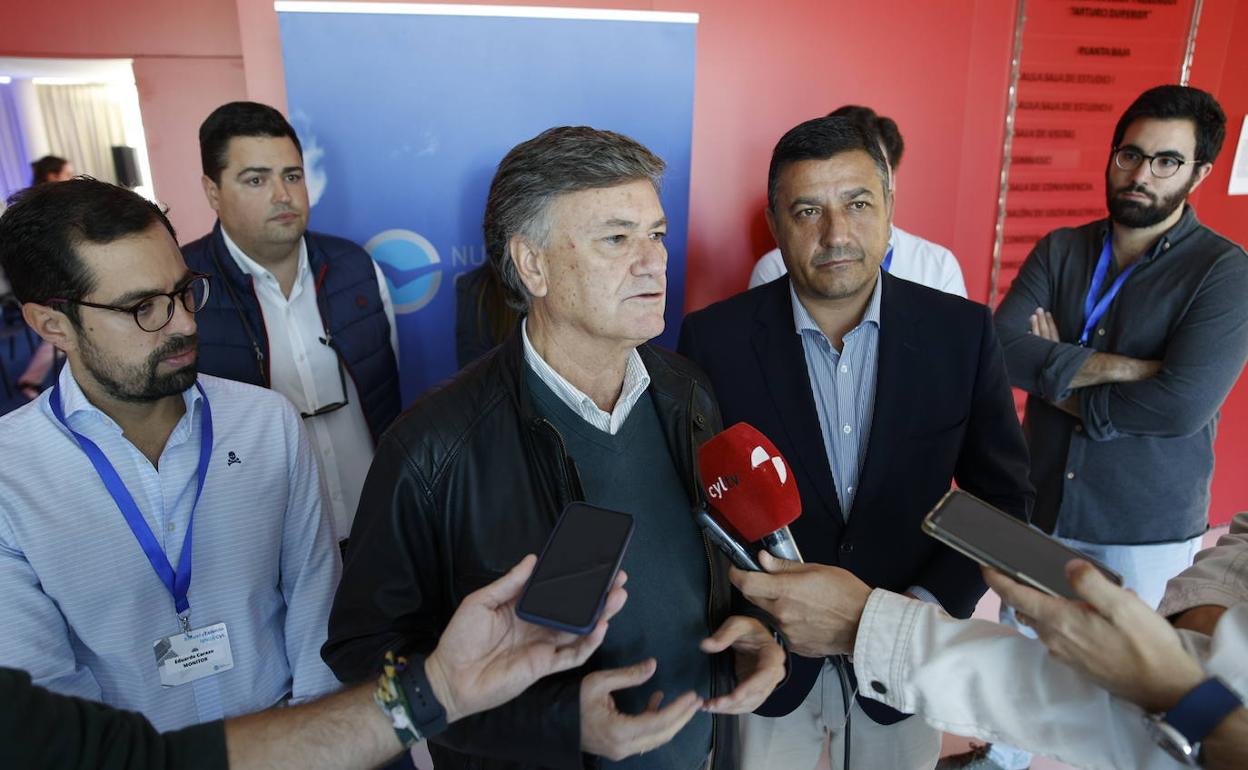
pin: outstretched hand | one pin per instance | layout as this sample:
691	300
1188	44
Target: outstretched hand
610	733
487	655
759	660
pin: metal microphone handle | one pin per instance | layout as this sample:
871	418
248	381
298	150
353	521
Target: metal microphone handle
781	545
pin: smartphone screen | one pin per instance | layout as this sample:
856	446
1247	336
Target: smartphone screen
570	583
996	539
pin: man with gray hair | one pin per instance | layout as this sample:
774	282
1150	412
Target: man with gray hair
574	406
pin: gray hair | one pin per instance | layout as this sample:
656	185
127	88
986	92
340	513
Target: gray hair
557	161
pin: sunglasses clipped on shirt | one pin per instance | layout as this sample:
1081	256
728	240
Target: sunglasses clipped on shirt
328	342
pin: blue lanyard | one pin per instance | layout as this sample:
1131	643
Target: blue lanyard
1094	308
888	260
178	583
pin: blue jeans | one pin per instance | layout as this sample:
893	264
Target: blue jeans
1145	569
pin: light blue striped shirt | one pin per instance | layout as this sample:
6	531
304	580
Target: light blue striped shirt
843	384
80	603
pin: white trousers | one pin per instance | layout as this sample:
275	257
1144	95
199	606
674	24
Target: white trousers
796	741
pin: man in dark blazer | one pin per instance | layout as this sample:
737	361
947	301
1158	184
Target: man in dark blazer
880	393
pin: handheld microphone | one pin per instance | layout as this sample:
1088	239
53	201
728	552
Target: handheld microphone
751	489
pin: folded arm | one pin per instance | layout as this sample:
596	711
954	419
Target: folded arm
1204	356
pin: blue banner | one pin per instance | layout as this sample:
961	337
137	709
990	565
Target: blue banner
404	117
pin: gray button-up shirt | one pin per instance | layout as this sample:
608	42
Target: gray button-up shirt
1136	468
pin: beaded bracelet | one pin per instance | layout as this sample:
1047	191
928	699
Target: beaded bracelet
392	699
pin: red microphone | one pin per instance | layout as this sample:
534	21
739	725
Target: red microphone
751	488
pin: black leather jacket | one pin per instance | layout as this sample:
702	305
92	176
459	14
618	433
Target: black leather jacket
466	482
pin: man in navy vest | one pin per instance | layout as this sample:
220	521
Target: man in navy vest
306	314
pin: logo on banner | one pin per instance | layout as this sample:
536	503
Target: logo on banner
411	266
314	174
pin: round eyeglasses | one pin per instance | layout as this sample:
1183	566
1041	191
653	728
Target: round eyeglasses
154	312
1161	166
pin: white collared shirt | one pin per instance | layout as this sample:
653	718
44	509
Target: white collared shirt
636	380
305	370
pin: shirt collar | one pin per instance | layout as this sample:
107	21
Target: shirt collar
803	322
257	270
1186	224
636	378
74	403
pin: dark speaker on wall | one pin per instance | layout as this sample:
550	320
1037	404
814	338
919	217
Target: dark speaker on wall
126	167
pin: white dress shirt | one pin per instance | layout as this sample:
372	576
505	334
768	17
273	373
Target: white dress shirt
81	604
636	380
305	370
914	259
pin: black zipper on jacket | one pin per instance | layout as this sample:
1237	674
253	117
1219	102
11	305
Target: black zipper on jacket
569	494
266	371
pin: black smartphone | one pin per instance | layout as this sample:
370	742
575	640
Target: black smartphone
994	538
574	574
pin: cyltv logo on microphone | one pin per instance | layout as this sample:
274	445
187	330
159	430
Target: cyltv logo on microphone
721	486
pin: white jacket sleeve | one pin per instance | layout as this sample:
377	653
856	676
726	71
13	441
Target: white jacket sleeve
987	681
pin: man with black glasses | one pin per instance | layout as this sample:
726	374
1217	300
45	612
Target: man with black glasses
1128	333
306	314
163	546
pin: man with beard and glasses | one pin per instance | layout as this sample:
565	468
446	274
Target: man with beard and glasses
1127	334
880	393
105	473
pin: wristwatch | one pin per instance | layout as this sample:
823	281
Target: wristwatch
428	715
1180	730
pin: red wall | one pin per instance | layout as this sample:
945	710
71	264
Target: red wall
187	60
1221	67
940	69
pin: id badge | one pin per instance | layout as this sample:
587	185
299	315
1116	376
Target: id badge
185	657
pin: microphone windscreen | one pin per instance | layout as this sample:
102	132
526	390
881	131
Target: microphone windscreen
748	483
